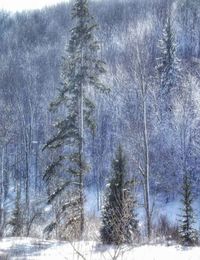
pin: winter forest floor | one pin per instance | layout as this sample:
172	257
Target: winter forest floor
30	248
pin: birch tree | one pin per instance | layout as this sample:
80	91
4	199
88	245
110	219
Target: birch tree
145	170
142	78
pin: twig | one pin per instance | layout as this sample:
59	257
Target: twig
77	252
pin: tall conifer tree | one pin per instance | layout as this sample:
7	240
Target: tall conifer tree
168	67
81	73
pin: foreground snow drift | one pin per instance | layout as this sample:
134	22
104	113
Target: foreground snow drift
26	248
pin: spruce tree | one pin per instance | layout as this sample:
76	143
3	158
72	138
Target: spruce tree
17	219
81	74
187	232
168	68
119	223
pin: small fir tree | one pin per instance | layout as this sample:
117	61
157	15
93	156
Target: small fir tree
187	232
17	219
119	223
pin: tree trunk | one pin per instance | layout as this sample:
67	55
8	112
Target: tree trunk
2	194
146	172
81	153
27	201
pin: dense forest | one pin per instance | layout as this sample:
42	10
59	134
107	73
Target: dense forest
147	120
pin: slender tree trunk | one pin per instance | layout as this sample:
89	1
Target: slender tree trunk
96	176
36	168
146	173
2	194
81	153
27	201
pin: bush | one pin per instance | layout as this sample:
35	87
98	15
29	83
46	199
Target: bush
165	230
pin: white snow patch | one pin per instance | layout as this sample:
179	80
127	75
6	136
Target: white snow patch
20	248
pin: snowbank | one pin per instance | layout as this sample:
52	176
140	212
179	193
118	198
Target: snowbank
26	248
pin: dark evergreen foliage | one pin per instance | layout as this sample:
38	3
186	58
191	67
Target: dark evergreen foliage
31	46
168	68
119	222
81	73
186	229
17	218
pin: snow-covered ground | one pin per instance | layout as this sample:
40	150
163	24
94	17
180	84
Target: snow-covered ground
35	249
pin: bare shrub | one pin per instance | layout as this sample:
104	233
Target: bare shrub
92	227
164	230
